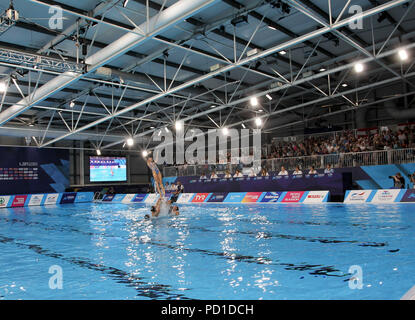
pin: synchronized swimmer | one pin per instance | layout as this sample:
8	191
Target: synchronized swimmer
167	208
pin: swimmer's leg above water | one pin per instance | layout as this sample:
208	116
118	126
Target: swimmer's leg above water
158	178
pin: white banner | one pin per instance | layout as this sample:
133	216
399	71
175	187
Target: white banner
151	198
316	196
128	198
185	197
35	199
51	198
4	200
358	196
386	196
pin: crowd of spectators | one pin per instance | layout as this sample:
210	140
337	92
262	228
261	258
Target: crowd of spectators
344	142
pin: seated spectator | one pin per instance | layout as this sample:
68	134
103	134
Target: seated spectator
264	173
412	179
167	187
227	175
203	176
329	169
177	192
297	171
283	172
312	170
213	175
238	174
251	173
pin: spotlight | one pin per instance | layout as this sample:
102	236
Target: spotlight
272	28
225	131
243	126
258	122
72	104
98	152
359	67
269	97
283	52
403	54
130	142
145	153
166	129
345	85
322	69
3	86
179	125
254	101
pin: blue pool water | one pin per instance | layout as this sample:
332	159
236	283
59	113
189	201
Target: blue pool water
107	251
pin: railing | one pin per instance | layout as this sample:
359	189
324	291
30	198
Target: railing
341	160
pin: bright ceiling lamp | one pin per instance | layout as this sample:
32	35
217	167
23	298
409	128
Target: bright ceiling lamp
359	67
166	129
179	125
145	153
269	97
258	122
225	131
98	152
243	126
72	104
254	101
403	54
130	142
283	52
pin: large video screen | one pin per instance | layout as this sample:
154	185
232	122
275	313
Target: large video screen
107	169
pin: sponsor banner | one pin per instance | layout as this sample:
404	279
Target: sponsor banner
409	196
357	196
118	198
251	197
4	201
68	197
185	197
293	197
217	197
151	198
168	195
51	198
316	197
385	196
128	198
139	197
84	197
200	197
235	197
19	201
35	199
108	197
272	196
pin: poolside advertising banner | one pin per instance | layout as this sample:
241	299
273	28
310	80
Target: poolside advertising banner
4	201
217	197
84	197
200	197
235	197
68	197
185	197
271	197
357	196
316	197
35	199
386	196
409	196
139	197
128	198
52	198
293	197
251	197
151	198
19	201
108	197
118	198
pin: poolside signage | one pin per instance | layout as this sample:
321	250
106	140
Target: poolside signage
68	197
4	201
151	198
19	201
200	197
235	197
316	197
108	197
185	198
35	199
84	197
217	197
409	196
128	197
139	197
293	197
357	196
387	195
51	198
251	197
272	197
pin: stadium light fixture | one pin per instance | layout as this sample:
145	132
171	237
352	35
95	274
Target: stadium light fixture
258	122
283	52
98	152
145	153
403	55
72	104
225	131
359	67
243	126
254	101
344	85
166	129
130	142
269	97
179	125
